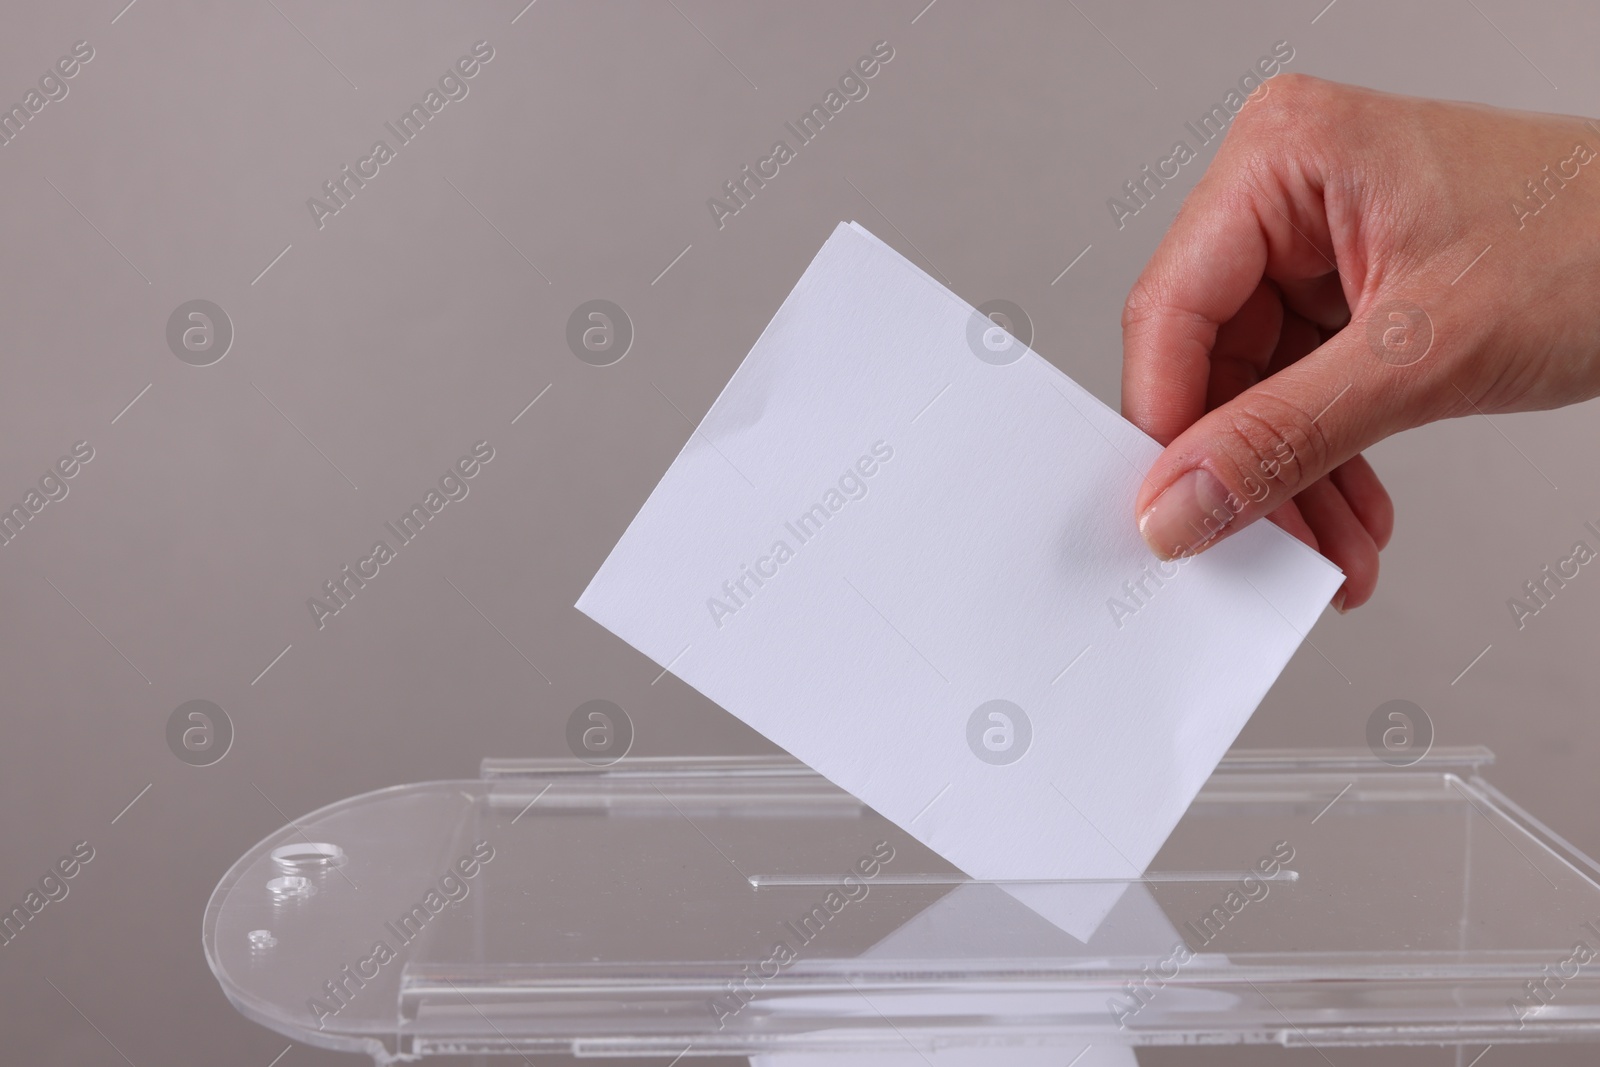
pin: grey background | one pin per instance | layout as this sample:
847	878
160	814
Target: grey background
411	326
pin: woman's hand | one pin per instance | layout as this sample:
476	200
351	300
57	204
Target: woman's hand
1354	264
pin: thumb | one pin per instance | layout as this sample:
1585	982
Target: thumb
1244	459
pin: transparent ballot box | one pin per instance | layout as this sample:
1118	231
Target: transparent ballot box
746	906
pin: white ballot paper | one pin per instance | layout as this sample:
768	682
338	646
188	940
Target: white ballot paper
902	546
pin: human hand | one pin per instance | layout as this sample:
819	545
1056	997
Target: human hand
1353	264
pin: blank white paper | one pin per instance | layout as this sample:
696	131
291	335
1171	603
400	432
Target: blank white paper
881	537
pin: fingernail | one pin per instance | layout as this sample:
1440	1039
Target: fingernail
1190	514
1338	602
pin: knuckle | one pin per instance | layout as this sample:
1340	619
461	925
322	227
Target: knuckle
1276	446
1296	104
1151	303
1299	87
1142	305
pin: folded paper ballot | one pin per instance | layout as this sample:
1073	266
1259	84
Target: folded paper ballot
901	546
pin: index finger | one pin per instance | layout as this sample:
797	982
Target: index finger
1257	213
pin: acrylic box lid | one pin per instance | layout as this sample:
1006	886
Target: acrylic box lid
745	906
